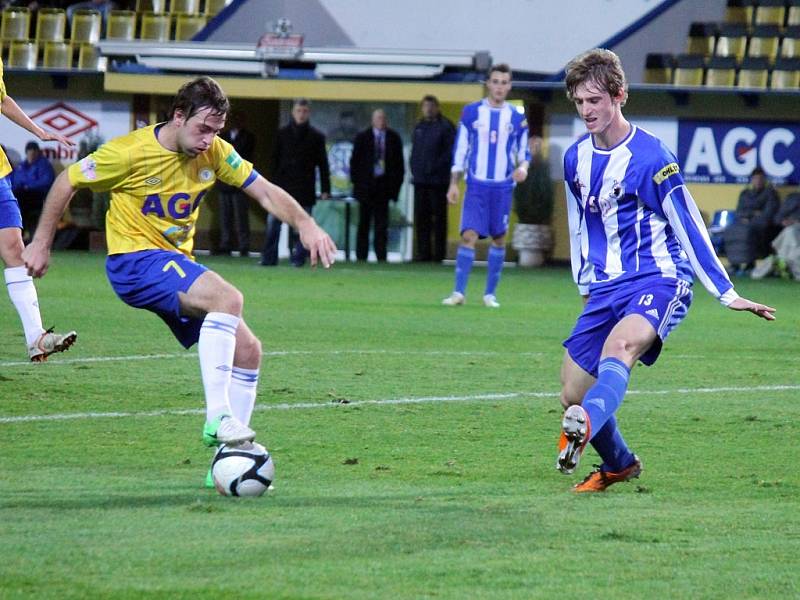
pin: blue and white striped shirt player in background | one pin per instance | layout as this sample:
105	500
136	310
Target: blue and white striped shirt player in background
492	146
637	240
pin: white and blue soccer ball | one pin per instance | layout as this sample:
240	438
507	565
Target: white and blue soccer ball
242	469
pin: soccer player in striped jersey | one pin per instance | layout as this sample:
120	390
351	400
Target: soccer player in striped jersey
41	343
158	176
492	147
637	242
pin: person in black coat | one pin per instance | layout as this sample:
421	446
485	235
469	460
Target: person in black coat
376	170
431	156
299	152
234	205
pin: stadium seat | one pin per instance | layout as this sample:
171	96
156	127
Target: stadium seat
22	54
790	44
785	74
185	7
155	26
156	6
213	7
658	68
688	70
186	26
86	26
701	38
121	25
51	24
739	11
770	12
764	42
57	55
721	71
732	40
753	72
15	24
792	13
89	58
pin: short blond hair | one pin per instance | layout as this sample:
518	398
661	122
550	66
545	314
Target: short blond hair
601	66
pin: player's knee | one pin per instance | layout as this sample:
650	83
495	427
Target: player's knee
622	349
569	397
232	301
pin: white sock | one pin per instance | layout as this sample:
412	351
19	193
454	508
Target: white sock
216	346
242	393
23	295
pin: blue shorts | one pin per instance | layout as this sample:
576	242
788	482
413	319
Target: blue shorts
152	279
663	301
486	209
9	207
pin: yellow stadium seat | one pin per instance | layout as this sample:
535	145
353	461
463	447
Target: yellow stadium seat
770	12
790	44
156	6
186	7
688	70
121	25
186	26
786	74
732	40
89	58
793	13
764	42
51	23
658	68
155	26
15	24
753	72
57	55
721	71
701	38
739	11
86	26
213	7
22	54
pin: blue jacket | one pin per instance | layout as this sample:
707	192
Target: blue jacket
33	177
432	151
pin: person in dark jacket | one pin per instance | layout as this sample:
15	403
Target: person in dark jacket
431	154
32	179
377	171
234	204
299	153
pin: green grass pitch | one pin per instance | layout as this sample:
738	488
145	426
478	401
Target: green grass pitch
414	446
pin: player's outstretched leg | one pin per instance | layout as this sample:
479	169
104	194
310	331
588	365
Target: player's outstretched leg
575	433
497	256
464	259
600	479
619	463
49	343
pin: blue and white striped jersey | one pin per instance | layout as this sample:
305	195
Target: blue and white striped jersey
490	143
631	216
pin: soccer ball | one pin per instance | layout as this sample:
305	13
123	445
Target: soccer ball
242	469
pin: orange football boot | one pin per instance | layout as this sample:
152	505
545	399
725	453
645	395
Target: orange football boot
598	481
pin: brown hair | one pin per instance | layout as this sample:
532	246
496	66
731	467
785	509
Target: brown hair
198	94
500	68
600	66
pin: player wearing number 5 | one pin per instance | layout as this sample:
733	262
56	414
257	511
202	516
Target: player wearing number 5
157	177
637	241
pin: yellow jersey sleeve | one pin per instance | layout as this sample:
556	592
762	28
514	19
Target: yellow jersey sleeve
3	93
230	168
103	170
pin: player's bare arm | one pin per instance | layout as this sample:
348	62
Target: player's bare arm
452	191
16	115
760	310
520	174
278	202
37	254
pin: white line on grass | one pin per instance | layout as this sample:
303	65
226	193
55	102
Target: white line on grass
388	401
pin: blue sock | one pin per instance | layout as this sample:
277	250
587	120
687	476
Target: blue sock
611	446
496	258
605	396
464	259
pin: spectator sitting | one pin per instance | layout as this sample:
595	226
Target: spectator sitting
32	179
748	238
786	257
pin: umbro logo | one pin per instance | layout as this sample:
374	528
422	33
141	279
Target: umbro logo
223	368
152	181
652	312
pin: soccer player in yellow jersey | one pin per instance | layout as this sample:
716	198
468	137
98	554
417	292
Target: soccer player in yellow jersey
157	177
21	290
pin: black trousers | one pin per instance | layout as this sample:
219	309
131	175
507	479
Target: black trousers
373	208
234	210
430	221
30	206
